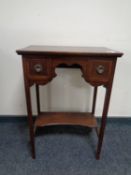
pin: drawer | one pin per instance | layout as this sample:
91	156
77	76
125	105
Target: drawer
99	70
38	68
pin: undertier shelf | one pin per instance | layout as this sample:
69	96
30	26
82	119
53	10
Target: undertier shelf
65	118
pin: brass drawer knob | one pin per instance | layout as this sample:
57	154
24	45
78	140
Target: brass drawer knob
38	68
100	69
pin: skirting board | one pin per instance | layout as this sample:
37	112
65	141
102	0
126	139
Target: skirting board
23	118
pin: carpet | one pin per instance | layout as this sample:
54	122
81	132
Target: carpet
65	150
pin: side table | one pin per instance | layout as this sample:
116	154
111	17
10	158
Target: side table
97	65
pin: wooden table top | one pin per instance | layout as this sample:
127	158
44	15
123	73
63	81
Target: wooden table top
69	50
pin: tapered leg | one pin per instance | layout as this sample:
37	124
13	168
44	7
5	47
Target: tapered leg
103	121
94	99
30	119
94	104
38	98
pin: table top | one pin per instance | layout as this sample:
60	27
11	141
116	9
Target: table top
69	50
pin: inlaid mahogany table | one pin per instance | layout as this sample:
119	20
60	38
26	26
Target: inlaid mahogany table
97	65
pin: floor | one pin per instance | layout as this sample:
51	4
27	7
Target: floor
65	150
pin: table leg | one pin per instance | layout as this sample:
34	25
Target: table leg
103	121
38	98
30	119
94	99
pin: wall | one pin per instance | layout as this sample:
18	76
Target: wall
64	22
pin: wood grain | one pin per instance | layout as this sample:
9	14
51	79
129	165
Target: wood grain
69	50
66	118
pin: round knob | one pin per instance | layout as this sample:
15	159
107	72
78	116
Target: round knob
100	69
38	68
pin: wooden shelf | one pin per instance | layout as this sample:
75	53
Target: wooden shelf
65	118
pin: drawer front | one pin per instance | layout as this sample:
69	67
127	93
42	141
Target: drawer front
100	70
38	68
